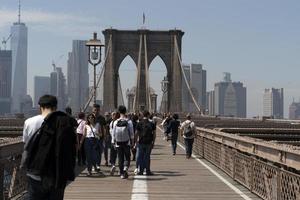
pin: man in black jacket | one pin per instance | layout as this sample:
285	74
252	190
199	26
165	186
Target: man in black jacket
50	146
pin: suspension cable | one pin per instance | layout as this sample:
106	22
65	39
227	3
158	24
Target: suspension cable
185	79
91	95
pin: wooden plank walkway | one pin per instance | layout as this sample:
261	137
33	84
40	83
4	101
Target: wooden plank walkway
175	177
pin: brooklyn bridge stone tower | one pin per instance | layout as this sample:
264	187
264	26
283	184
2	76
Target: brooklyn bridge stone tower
142	46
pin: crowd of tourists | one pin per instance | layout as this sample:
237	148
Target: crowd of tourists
55	142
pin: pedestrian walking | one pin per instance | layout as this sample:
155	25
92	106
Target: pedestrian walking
113	150
123	138
145	132
51	165
173	131
107	137
188	131
81	158
102	122
90	140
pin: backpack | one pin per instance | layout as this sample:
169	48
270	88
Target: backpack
146	134
123	125
188	132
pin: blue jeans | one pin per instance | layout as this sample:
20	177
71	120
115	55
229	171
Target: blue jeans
188	146
92	155
143	157
174	141
36	191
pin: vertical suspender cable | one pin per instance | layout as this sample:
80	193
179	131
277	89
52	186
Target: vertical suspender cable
185	79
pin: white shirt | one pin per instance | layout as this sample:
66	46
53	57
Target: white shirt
31	125
81	125
92	131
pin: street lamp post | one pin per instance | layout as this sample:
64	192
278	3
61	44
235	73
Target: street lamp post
164	89
94	52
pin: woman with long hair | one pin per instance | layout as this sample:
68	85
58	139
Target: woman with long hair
91	144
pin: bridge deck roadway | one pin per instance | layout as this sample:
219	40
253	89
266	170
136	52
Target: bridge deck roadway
175	177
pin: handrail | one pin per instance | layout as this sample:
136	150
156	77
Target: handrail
284	154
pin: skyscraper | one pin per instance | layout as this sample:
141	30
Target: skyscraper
58	87
41	87
273	103
78	75
5	81
19	63
196	78
211	102
230	98
294	111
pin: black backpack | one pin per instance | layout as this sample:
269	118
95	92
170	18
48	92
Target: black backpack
146	134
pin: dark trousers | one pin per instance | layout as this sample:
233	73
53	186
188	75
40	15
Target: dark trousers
36	191
123	155
81	152
113	155
107	146
188	146
100	151
174	141
143	157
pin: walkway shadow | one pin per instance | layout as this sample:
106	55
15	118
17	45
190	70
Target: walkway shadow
150	178
168	173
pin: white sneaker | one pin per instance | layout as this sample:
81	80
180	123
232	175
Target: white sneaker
112	170
136	171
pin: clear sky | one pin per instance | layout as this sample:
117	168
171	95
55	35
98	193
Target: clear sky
257	41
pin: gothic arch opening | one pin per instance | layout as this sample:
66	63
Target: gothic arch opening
157	72
127	76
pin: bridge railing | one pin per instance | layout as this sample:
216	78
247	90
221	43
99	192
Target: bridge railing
268	170
12	179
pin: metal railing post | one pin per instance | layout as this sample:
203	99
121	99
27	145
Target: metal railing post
1	181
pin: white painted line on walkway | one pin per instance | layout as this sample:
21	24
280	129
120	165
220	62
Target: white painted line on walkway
139	188
238	191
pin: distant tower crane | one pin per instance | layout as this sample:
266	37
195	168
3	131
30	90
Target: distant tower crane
4	41
56	61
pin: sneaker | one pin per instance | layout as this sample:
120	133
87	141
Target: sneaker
174	153
123	176
89	173
140	173
112	170
149	173
136	171
126	172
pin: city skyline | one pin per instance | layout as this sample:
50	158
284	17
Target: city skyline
259	50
